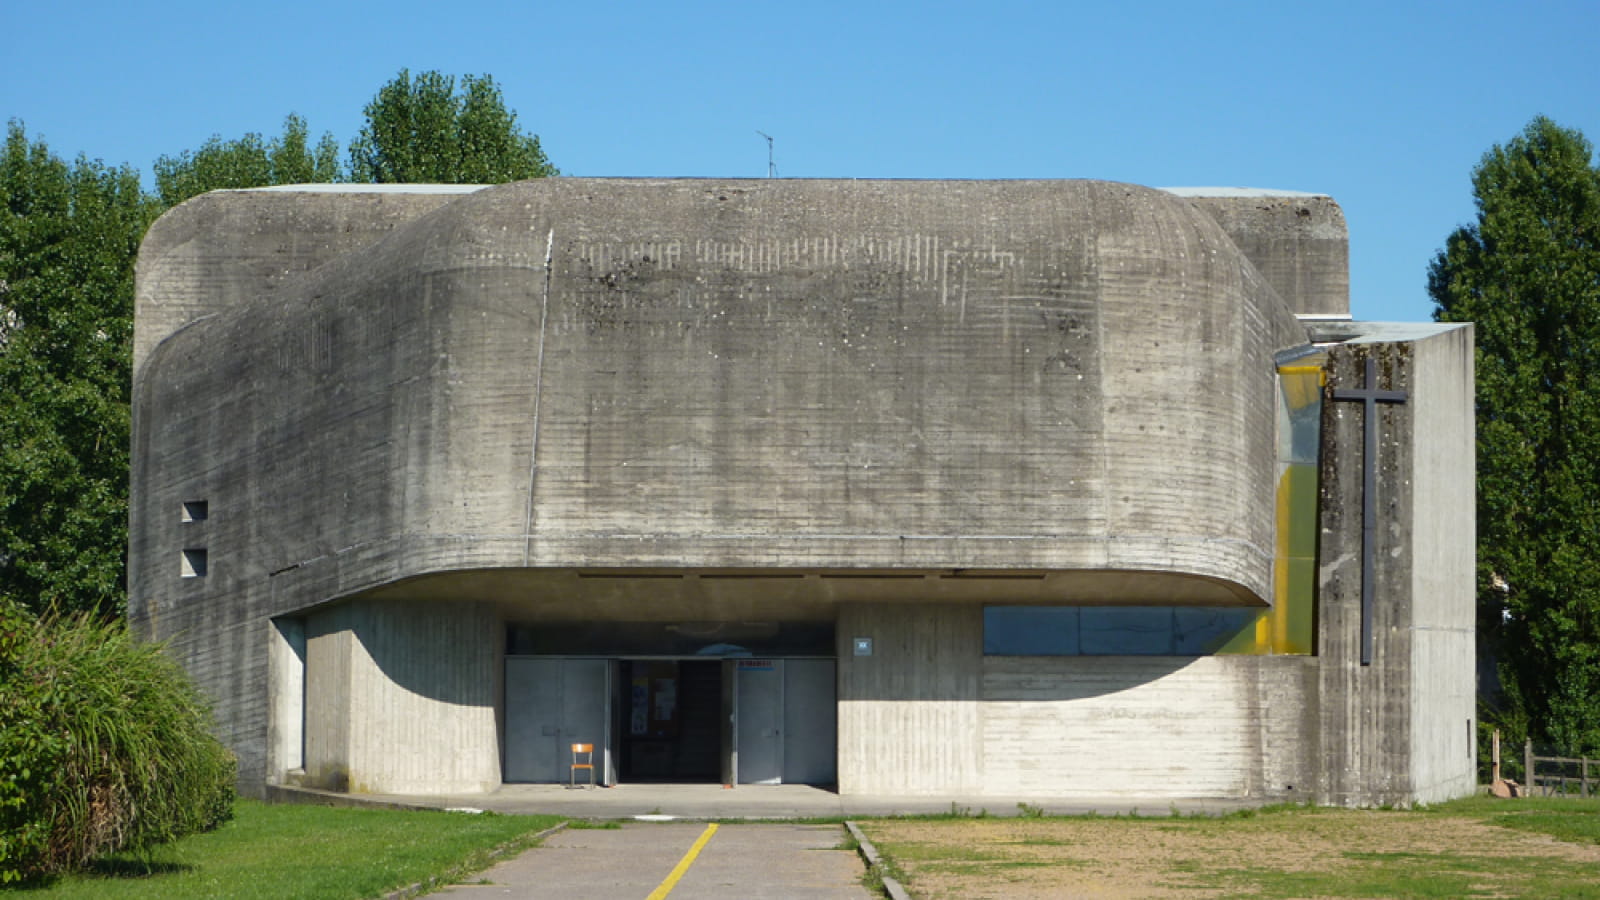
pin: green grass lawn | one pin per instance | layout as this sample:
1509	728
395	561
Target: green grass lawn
1565	819
272	851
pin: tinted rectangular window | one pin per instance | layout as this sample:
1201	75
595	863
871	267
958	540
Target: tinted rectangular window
1030	631
1113	630
1127	631
1202	630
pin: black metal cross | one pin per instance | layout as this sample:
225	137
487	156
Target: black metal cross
1370	396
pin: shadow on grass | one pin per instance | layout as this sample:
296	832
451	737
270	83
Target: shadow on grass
120	867
133	867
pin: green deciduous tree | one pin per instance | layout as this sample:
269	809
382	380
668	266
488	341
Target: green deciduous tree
424	130
68	236
248	162
1528	273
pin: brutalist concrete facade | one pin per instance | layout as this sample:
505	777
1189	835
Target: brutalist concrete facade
387	443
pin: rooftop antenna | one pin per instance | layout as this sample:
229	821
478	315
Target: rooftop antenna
772	167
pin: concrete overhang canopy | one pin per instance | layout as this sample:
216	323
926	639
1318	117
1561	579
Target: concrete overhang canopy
827	375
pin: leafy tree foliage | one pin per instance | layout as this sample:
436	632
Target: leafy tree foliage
248	162
425	130
68	236
1528	273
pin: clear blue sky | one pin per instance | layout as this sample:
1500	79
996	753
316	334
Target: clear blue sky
1384	105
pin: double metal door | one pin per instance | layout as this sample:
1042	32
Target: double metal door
551	704
781	713
785	715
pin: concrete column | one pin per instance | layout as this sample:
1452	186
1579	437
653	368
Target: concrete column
1443	575
286	693
1398	730
400	697
1366	709
909	713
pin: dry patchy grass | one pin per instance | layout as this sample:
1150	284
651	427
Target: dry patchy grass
1287	853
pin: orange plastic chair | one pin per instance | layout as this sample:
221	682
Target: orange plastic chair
587	752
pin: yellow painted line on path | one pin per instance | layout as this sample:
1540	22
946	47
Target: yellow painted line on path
665	887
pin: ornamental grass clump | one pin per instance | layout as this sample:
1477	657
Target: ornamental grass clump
105	745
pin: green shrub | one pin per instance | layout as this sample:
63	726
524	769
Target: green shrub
104	745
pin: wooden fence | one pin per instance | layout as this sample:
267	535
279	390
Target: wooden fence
1560	776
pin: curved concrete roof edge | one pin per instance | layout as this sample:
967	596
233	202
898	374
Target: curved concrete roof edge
367	188
471	188
1238	192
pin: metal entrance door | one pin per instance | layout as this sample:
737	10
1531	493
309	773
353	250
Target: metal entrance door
551	704
759	732
810	717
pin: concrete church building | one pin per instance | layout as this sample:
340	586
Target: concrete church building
960	488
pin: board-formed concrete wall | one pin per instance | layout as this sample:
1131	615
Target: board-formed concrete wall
224	249
1443	536
412	419
364	388
909	716
1399	730
405	698
1297	241
938	374
1149	726
928	713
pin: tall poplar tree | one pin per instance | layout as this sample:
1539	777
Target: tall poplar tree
1528	273
249	162
425	130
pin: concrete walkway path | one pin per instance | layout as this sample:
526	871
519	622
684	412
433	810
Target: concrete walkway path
679	861
755	801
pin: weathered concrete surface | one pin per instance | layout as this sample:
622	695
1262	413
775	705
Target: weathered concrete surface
909	716
1149	726
1399	730
1298	242
808	374
221	250
875	405
1444	571
693	375
929	714
405	697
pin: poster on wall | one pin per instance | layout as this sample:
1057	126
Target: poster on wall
639	707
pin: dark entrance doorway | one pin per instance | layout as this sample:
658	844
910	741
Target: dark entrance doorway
669	720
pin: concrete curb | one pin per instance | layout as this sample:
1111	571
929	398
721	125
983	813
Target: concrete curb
875	863
285	794
509	848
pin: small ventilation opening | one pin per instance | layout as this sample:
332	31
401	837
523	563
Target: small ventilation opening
195	510
194	562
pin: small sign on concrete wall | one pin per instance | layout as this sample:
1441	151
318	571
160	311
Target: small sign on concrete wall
863	646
